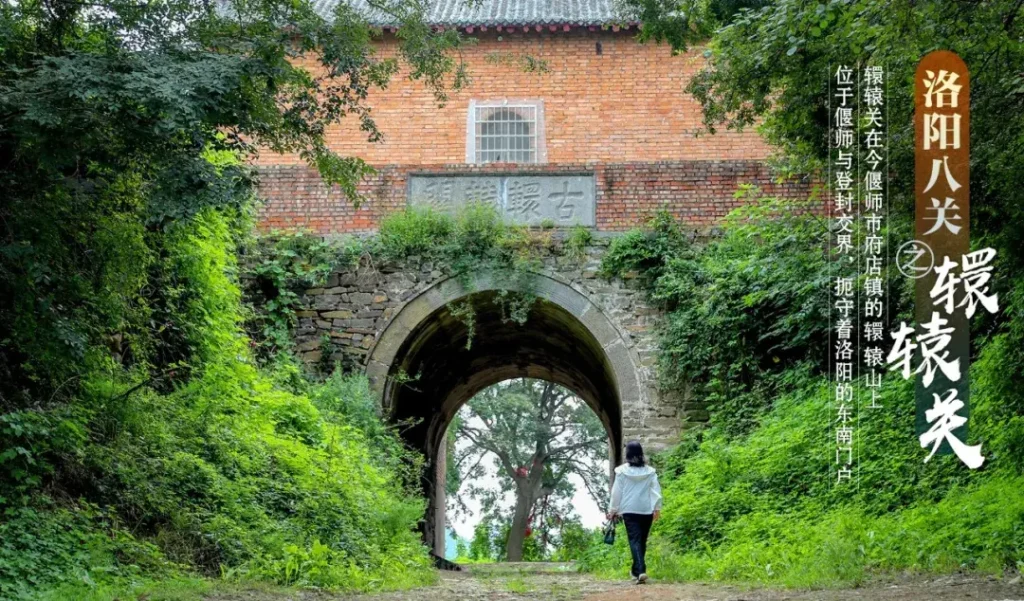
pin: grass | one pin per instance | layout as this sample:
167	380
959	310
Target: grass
175	589
977	529
517	585
180	588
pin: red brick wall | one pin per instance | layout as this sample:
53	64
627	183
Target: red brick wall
626	104
622	114
697	192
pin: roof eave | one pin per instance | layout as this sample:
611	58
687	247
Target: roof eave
524	27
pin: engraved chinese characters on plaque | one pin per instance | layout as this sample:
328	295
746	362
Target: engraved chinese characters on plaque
523	201
562	200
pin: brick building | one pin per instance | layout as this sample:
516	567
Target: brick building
567	119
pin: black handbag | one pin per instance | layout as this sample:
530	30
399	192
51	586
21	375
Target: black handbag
609	531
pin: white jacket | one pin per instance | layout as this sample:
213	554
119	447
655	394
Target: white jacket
636	490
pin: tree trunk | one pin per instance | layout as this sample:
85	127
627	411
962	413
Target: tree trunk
543	521
516	536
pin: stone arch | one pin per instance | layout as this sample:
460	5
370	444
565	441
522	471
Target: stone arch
567	339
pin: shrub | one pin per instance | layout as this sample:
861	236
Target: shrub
750	497
744	312
232	469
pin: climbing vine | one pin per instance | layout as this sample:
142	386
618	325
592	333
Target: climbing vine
280	268
470	241
464	311
476	239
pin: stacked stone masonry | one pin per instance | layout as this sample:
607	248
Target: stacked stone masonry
343	320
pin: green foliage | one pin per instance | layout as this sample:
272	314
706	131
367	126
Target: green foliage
472	241
172	588
122	119
766	67
282	266
573	541
468	242
414	232
39	546
232	470
745	313
138	437
751	497
976	528
464	311
474	238
763	508
997	401
482	545
536	434
577	241
767	63
531	547
646	251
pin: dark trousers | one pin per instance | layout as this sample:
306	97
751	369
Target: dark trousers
638	526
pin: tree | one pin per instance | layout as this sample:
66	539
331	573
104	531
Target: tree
125	132
767	67
120	120
538	434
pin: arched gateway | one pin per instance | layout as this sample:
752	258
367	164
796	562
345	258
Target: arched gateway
591	335
423	369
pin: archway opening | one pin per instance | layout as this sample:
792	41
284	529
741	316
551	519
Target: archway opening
435	357
528	474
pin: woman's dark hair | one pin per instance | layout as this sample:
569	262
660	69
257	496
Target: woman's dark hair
634	454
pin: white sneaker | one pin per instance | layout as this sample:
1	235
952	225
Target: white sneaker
642	578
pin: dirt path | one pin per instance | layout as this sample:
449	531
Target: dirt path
558	582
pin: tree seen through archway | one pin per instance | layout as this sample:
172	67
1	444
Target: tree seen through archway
537	435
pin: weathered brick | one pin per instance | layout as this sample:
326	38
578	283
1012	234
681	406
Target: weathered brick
622	115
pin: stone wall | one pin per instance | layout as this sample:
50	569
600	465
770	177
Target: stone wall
343	320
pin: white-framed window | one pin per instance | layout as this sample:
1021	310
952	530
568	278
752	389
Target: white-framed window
505	131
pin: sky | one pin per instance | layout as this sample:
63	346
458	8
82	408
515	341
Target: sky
585	507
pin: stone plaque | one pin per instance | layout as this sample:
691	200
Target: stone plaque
563	200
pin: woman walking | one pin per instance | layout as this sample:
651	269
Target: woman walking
636	496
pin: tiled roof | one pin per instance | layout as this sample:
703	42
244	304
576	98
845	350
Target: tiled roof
469	13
